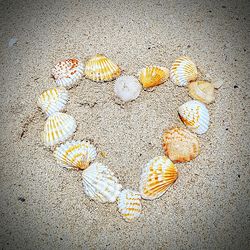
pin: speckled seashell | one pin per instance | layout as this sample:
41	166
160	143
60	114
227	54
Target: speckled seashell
180	145
58	127
202	91
100	69
195	116
153	75
157	175
183	71
127	88
75	154
53	100
100	184
129	205
67	72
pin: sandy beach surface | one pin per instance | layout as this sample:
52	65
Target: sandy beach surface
42	205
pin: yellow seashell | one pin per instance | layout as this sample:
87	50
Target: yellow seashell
100	69
202	91
153	75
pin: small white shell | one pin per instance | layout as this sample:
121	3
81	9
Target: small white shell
100	184
53	100
127	88
129	205
195	116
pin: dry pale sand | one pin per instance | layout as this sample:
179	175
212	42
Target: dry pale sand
43	206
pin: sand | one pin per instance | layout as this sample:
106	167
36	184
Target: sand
42	205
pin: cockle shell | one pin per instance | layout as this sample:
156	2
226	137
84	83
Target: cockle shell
202	91
100	69
195	116
129	205
67	72
127	88
58	127
157	175
53	100
75	154
153	75
180	145
100	184
183	71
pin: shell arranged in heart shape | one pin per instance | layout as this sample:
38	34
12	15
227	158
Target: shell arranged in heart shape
202	91
180	145
58	127
75	154
99	68
195	116
67	72
100	184
157	175
129	205
53	100
153	75
183	71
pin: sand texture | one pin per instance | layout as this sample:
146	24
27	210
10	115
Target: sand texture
42	205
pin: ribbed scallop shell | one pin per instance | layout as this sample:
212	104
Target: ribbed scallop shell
195	116
153	75
202	91
67	72
100	69
157	175
75	154
53	100
180	145
129	204
100	184
58	127
183	71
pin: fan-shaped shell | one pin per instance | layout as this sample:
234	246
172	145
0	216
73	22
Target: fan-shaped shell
75	154
58	127
67	72
157	175
195	116
100	68
180	145
183	71
100	184
153	75
53	100
202	91
129	204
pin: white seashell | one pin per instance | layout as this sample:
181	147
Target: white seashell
58	127
195	116
75	154
127	88
100	184
129	205
53	100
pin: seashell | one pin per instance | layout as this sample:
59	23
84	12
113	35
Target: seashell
58	127
129	205
127	88
153	75
75	154
157	175
180	145
183	71
67	72
195	116
53	100
100	69
100	184
202	91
